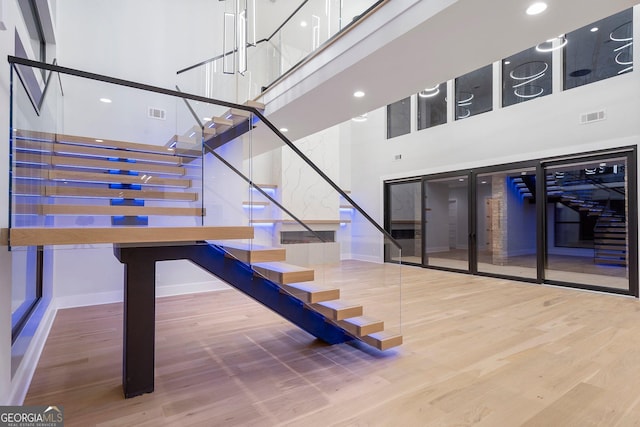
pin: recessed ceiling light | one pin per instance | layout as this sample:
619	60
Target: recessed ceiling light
105	100
594	29
206	119
536	8
99	140
284	130
303	23
358	94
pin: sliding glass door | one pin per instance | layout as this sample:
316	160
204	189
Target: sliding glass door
446	201
569	221
588	229
506	217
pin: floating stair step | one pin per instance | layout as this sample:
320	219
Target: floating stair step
217	124
105	210
255	104
338	310
91	192
311	293
283	273
236	115
254	203
252	254
383	340
362	325
83	235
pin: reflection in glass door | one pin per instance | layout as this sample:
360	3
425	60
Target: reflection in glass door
587	236
404	219
506	223
447	222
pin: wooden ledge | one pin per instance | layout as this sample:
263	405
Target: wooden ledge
4	237
82	236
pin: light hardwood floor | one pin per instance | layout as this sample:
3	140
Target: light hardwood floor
478	352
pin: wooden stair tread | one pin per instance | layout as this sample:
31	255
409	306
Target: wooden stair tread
283	273
255	104
252	254
362	325
383	340
96	177
46	147
29	236
236	115
220	124
91	192
311	293
97	210
338	310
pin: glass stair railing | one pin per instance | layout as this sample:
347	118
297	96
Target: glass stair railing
172	162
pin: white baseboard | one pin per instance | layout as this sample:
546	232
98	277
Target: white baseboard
24	374
98	298
190	288
118	296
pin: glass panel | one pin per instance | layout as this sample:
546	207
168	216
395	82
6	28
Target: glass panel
525	76
600	50
405	220
506	222
300	34
105	156
447	222
399	118
474	92
294	208
432	106
587	241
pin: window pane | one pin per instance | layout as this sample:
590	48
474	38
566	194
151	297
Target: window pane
506	218
447	222
598	51
587	234
432	106
474	93
399	118
405	219
526	75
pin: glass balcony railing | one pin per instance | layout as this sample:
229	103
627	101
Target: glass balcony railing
105	153
262	62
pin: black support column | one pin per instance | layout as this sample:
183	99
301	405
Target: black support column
138	353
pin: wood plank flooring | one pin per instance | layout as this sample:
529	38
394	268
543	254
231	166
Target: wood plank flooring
477	352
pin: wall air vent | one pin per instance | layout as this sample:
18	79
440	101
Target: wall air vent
596	116
157	113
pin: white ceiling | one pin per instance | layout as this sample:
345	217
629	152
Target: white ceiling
409	45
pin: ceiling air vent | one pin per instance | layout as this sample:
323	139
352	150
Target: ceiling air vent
596	116
157	113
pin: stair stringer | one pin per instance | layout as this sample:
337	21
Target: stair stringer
240	275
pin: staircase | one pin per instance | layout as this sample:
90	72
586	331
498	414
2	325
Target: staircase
81	178
610	240
298	282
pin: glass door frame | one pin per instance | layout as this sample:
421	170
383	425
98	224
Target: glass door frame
387	216
632	217
473	255
470	226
